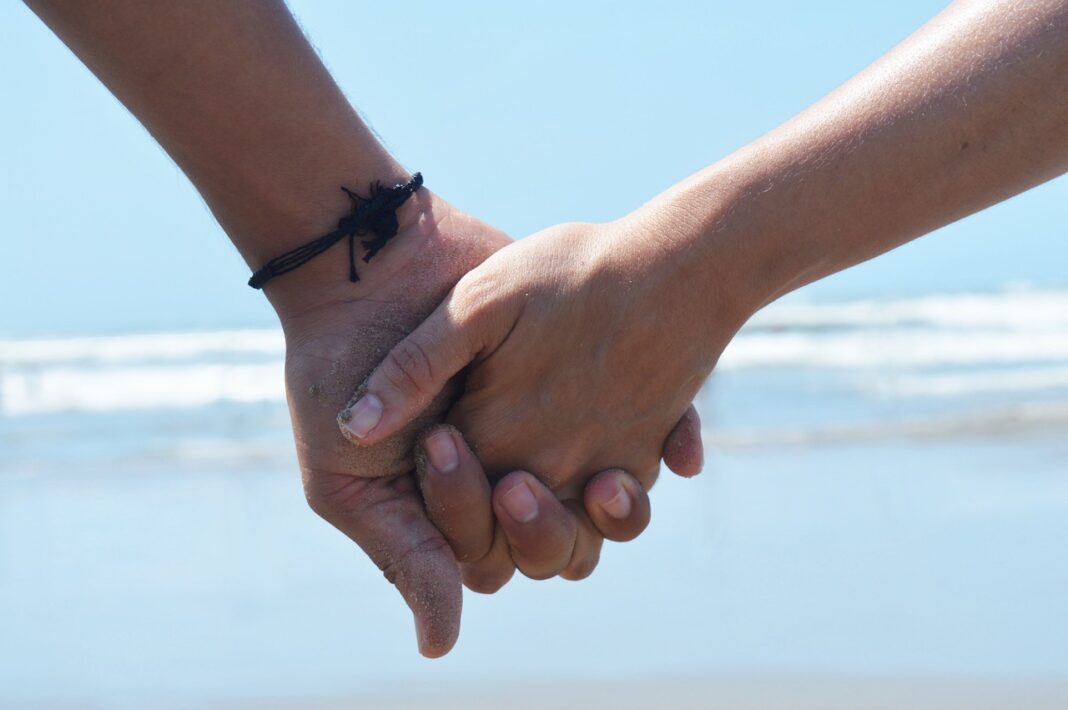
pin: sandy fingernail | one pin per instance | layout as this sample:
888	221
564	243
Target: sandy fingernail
441	450
619	506
521	503
363	416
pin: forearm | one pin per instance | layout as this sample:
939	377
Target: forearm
238	98
970	110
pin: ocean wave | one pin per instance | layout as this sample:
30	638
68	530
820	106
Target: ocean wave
1042	379
1012	310
1003	421
1029	311
63	389
118	349
1018	342
899	347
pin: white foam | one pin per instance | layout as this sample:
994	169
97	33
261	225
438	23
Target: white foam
1028	310
1044	379
968	329
1025	332
1003	421
896	347
62	389
140	347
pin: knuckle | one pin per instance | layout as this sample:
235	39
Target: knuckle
483	579
471	542
409	367
542	561
411	560
625	530
538	574
467	525
580	568
476	286
470	551
317	502
335	496
647	477
481	302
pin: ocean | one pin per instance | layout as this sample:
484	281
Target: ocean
885	495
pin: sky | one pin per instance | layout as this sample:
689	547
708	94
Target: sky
525	114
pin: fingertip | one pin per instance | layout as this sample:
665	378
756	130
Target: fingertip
588	543
493	570
516	495
410	378
488	581
580	571
361	420
437	621
387	519
540	530
441	449
455	492
684	452
617	504
431	646
429	581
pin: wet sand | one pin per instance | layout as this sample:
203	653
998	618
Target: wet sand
765	692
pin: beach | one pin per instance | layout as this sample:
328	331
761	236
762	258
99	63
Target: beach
783	692
881	523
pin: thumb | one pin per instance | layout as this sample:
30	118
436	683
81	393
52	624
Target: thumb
386	518
409	378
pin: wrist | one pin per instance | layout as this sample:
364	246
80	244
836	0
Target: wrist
279	188
699	225
748	229
269	212
323	283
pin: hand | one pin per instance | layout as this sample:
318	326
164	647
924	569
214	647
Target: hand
371	493
266	137
587	344
535	531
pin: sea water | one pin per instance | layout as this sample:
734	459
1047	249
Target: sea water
886	492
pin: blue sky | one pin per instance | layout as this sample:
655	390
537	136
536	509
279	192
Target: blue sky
523	114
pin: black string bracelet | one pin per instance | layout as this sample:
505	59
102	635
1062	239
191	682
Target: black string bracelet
375	214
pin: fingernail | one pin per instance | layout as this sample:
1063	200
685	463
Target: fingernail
619	506
441	450
363	416
521	503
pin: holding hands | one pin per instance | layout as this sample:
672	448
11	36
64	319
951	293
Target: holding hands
417	522
504	405
579	356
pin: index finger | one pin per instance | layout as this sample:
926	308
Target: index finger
456	492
